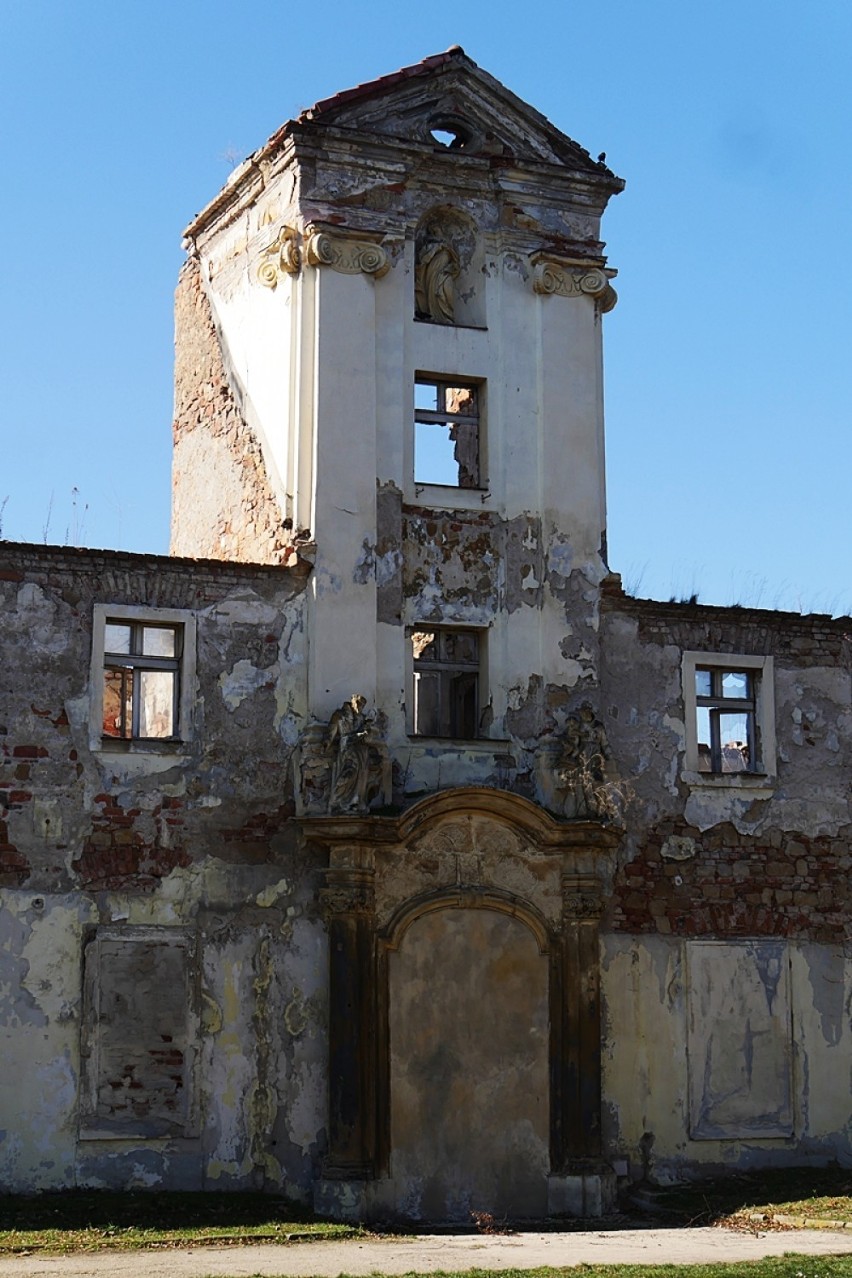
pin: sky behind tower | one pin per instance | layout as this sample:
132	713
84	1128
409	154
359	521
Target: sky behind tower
727	358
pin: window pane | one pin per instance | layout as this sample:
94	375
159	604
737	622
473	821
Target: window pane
118	702
427	703
462	698
703	683
705	761
426	396
158	641
424	643
156	703
734	733
735	683
461	647
434	455
116	637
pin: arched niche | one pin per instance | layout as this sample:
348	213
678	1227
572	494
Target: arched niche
449	282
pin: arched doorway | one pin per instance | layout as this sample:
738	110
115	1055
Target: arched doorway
425	904
469	1088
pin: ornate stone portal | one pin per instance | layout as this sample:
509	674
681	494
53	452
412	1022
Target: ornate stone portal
461	850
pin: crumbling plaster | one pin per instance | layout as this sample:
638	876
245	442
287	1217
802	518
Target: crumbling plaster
188	837
652	1034
298	346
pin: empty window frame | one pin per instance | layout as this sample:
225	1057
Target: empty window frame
447	443
446	682
729	705
142	673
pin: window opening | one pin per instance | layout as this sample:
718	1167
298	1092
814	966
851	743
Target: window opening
725	719
446	433
446	133
446	682
141	680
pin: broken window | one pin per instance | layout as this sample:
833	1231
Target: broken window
446	682
141	679
729	714
143	665
724	702
139	1027
447	433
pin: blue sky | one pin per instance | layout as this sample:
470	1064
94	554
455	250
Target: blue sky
727	359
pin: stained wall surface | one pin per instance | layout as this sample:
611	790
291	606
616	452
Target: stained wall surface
711	910
163	965
469	1128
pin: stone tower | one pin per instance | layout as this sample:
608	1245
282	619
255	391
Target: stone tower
389	344
389	362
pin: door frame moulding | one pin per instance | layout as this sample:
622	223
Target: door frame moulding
454	847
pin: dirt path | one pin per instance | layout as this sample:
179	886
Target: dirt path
438	1251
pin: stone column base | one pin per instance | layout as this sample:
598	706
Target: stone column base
584	1193
352	1200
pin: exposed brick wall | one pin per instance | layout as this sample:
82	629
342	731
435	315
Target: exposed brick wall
806	638
778	884
223	506
71	817
121	852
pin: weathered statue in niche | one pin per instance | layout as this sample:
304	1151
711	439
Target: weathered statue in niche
444	252
437	268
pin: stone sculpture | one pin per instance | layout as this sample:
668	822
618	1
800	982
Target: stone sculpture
436	270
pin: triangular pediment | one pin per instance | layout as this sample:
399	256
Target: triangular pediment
448	100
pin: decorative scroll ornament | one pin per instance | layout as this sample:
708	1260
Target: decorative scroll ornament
551	278
350	257
582	898
282	257
354	896
582	905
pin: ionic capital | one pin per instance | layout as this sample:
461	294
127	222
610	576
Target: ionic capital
582	899
554	278
347	892
282	257
350	257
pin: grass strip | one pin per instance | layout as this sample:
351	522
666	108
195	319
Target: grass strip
83	1222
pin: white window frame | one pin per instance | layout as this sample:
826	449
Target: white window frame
762	670
184	619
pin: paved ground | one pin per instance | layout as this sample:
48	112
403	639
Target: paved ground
438	1251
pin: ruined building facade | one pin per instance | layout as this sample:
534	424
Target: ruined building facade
375	848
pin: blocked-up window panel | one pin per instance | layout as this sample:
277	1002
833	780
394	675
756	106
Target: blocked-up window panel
739	1043
139	1029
